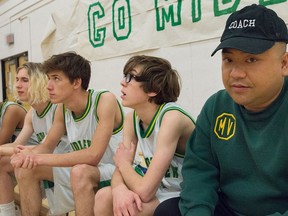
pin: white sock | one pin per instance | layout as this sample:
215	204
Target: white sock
7	209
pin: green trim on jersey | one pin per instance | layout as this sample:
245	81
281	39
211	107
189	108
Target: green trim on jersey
87	108
1	106
13	103
183	112
179	155
153	122
47	108
64	112
145	134
53	117
48	184
97	102
117	130
178	109
103	184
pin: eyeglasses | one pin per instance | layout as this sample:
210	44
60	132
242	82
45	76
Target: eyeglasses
127	77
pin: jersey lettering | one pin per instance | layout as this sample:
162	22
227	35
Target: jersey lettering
80	144
147	161
40	136
172	170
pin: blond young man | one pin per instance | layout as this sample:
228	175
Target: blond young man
12	117
31	88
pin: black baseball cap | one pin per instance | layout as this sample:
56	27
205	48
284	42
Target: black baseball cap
253	29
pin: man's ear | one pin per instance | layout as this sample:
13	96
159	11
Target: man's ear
77	83
152	94
285	64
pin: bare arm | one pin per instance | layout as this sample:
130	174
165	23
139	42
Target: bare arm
92	155
23	137
124	199
56	131
13	118
128	137
28	158
167	141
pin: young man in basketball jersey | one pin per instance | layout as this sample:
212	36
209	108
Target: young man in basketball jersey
160	127
93	120
31	88
12	117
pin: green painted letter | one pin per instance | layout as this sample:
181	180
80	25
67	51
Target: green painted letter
166	13
121	19
96	36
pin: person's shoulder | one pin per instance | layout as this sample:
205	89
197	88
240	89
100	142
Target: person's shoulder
106	97
219	96
105	100
14	107
102	93
178	108
220	99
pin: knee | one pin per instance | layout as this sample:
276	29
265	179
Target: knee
23	174
5	165
80	176
103	194
102	201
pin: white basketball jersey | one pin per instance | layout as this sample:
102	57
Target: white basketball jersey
43	122
147	143
3	108
80	130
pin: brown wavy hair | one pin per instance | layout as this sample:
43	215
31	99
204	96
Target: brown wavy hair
158	76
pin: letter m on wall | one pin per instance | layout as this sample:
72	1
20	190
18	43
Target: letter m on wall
166	12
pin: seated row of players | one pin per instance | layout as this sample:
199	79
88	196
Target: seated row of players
79	131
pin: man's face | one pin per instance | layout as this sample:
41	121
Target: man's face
59	87
133	94
253	81
22	85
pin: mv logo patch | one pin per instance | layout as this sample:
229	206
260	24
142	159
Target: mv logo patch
225	126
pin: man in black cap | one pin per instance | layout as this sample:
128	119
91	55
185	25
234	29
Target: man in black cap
236	161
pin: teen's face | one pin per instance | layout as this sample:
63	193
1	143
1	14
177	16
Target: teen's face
59	87
133	94
253	81
22	85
